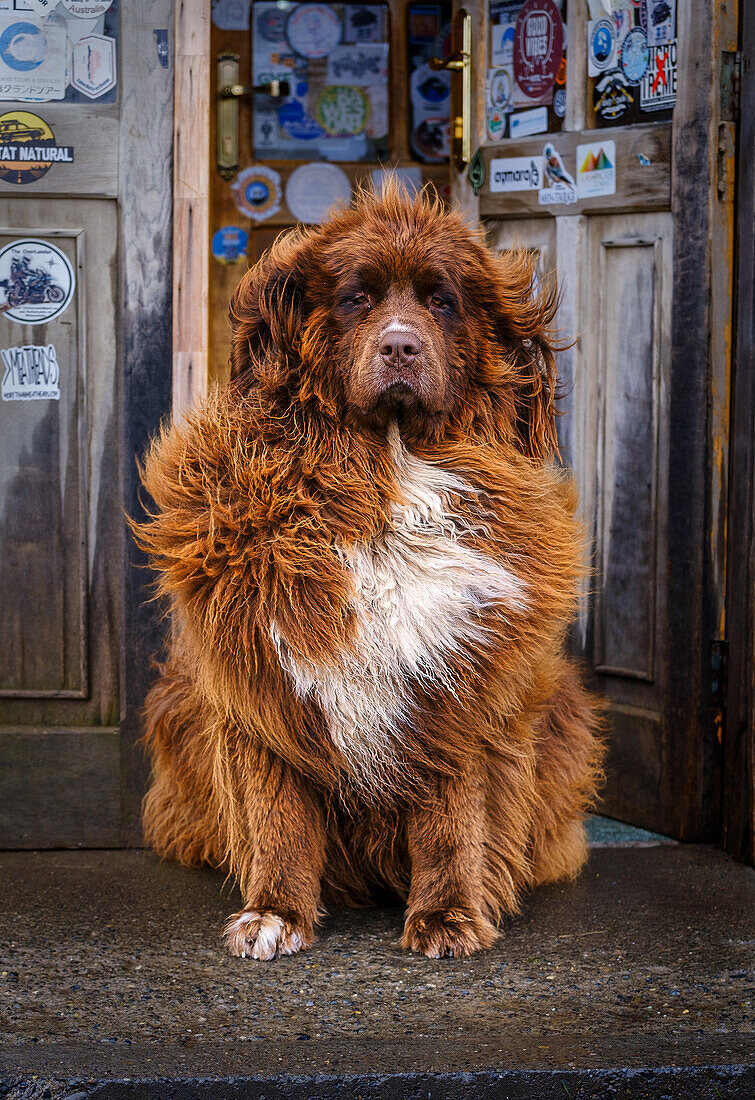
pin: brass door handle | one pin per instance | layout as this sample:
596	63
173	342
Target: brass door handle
459	64
275	89
455	62
229	94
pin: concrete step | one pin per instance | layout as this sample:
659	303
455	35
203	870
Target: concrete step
635	981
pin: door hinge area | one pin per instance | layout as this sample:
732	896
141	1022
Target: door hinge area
731	80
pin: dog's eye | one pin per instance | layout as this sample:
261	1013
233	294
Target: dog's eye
438	302
354	300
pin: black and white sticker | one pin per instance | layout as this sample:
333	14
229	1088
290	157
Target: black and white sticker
658	87
30	373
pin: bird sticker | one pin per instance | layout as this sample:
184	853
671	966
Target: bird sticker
558	185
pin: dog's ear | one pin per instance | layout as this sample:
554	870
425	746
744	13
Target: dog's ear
525	308
267	307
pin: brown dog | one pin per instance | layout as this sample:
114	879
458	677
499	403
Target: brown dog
372	562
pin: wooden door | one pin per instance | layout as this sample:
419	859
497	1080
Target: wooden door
619	174
359	97
84	344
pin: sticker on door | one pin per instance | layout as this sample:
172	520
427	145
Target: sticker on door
28	148
36	281
30	373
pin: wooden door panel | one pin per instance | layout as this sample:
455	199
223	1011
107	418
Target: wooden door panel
60	485
42	497
627	321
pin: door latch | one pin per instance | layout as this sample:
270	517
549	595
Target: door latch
230	91
459	64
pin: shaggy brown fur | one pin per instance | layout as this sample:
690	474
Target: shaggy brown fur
375	483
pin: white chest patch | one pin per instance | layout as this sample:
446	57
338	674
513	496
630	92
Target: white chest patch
419	589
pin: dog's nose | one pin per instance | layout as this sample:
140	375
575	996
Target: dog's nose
400	346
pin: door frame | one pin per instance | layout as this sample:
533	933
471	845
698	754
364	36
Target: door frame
145	191
191	203
739	732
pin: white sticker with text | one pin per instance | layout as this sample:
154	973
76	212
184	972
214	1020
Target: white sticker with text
30	373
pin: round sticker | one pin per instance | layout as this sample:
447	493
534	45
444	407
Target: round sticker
271	25
500	89
229	244
312	190
343	110
559	102
635	55
313	30
294	120
538	47
432	138
23	46
496	123
36	281
601	43
257	192
26	142
87	9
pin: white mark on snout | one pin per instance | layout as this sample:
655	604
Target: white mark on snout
397	326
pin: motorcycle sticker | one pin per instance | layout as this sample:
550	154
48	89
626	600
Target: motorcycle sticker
30	373
37	281
28	148
661	22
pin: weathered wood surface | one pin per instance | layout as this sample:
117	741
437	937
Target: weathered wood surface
629	342
146	332
43	466
739	732
83	541
192	149
639	186
93	133
59	788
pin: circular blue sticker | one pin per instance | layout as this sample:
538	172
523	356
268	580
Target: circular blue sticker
294	121
257	193
229	244
23	46
601	43
635	55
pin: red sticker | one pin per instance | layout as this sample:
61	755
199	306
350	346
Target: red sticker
538	47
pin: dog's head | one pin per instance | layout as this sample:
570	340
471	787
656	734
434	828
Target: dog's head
395	308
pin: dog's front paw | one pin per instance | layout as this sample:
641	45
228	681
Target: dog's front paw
457	932
263	935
